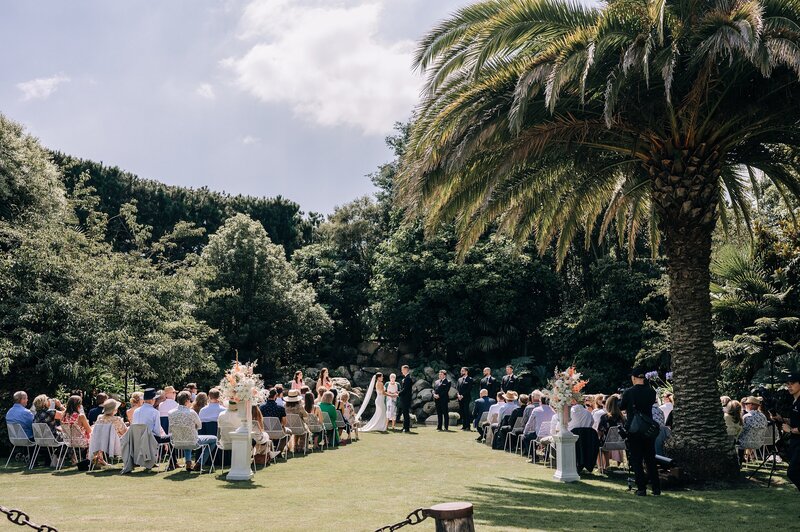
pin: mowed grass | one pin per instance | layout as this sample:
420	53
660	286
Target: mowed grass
378	481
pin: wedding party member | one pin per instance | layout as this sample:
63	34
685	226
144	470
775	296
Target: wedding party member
200	402
441	389
404	397
792	428
392	391
297	380
184	424
20	414
324	380
640	398
326	406
136	402
510	381
213	409
99	399
489	383
378	422
482	404
464	395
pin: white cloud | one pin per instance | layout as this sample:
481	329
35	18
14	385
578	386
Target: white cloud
327	61
205	90
250	139
41	88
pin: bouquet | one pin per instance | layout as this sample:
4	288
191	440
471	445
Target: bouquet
662	386
564	387
241	383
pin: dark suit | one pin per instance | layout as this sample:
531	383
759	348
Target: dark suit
442	389
509	383
481	405
464	389
491	385
404	402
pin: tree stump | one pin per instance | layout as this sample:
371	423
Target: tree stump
452	517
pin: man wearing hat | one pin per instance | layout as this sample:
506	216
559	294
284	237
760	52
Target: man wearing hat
148	415
792	428
639	399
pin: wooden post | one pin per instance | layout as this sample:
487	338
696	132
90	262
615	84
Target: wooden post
452	517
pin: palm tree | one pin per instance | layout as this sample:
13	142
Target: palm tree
550	118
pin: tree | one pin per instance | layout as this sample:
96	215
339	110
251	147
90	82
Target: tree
551	116
252	296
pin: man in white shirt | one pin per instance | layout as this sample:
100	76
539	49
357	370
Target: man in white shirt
510	405
495	408
184	424
579	417
168	404
147	415
533	428
213	409
668	404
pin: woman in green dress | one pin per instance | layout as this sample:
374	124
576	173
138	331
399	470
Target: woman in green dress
326	406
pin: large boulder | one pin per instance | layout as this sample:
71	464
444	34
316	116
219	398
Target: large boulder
311	383
362	359
425	395
429	408
356	397
420	384
453	393
430	373
361	378
452	406
341	371
385	357
341	382
405	360
368	348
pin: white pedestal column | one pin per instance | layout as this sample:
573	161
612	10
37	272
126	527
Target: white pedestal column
566	471
241	450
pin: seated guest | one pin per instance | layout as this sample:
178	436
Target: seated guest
99	399
167	403
279	399
294	405
754	423
228	421
534	401
724	399
588	402
326	407
192	389
599	409
73	415
200	401
261	442
666	404
348	413
183	425
213	409
110	417
733	419
19	413
511	404
136	402
579	417
658	415
272	409
148	416
48	413
611	418
308	400
508	423
533	428
482	404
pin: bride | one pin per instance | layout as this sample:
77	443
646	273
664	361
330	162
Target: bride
379	421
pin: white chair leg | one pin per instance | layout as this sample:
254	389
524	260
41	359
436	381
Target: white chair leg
10	455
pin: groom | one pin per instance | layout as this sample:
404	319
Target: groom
404	399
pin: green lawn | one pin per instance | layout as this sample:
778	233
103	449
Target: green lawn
377	481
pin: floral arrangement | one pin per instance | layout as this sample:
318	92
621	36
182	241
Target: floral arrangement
661	386
241	383
564	387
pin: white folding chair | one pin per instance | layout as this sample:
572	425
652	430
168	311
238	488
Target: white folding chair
518	426
316	429
542	438
105	440
75	441
44	439
18	438
327	423
181	440
275	431
613	442
298	429
482	422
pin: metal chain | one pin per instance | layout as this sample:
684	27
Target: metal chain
414	518
18	517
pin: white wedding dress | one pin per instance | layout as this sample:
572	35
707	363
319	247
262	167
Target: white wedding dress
379	421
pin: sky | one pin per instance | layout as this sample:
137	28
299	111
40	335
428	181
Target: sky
261	97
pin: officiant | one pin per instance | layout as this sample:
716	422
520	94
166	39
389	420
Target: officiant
441	390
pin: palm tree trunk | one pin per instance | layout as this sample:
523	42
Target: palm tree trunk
686	196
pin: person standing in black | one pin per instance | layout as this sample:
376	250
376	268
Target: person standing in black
441	389
404	398
489	383
510	381
464	389
640	398
792	428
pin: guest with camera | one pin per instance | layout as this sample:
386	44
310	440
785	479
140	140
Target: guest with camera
637	402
